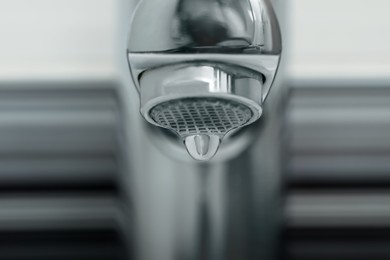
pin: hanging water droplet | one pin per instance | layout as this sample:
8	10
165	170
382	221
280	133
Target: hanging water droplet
202	147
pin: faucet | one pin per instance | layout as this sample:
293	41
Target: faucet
203	68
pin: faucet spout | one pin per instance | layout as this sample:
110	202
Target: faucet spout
203	68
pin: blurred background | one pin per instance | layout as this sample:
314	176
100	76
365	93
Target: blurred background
83	177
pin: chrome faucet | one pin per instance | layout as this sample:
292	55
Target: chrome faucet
203	68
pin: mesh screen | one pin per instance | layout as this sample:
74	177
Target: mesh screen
201	115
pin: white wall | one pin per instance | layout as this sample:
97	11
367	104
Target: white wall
57	39
339	38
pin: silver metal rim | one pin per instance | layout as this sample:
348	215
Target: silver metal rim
198	81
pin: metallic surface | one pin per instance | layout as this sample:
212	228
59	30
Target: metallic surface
228	208
196	81
230	32
221	49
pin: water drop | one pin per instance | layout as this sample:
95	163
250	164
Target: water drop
202	147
